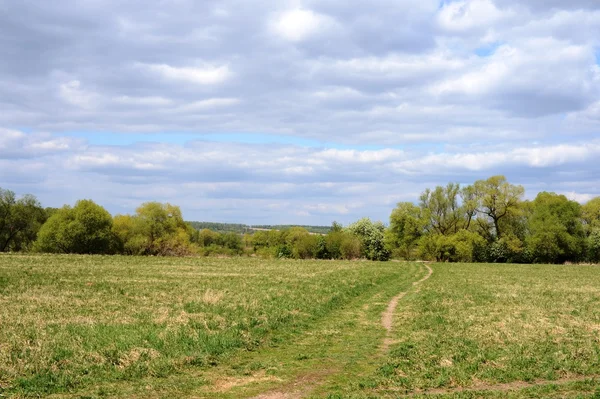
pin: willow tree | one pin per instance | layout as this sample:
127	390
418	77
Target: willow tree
85	228
497	199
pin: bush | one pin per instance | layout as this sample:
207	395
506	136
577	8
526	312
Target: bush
350	247
84	229
506	250
463	246
593	246
333	244
372	239
305	247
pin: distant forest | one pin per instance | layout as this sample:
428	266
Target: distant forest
244	228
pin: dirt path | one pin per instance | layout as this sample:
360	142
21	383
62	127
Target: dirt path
298	388
387	318
510	386
305	384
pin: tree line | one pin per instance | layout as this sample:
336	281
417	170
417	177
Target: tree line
488	221
159	229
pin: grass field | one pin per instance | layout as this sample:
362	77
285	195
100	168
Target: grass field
94	327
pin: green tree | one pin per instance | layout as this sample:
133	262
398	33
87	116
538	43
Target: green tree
496	200
406	227
468	195
20	221
85	228
155	229
464	246
441	208
556	232
350	246
233	242
593	245
371	234
590	213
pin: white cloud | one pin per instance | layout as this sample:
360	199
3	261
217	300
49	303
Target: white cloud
208	104
536	76
590	115
324	184
393	66
299	24
8	137
469	14
72	93
579	197
203	75
336	93
143	101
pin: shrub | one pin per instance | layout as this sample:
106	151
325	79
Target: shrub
84	229
350	247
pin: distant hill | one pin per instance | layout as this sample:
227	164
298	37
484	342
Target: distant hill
244	228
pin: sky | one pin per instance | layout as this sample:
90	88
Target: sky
295	112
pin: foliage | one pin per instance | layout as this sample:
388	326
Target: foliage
508	249
407	225
155	229
441	209
590	213
85	228
593	245
371	235
20	221
497	199
464	246
556	231
486	221
350	247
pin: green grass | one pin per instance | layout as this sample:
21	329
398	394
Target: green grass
487	326
94	327
71	323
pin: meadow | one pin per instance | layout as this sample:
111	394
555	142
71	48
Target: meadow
153	327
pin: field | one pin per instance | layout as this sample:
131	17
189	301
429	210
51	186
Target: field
96	327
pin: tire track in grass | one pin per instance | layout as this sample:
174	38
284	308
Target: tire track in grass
387	319
305	384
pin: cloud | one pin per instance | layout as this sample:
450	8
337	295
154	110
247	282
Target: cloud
208	104
529	78
205	75
348	105
324	184
143	101
299	24
460	16
74	94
